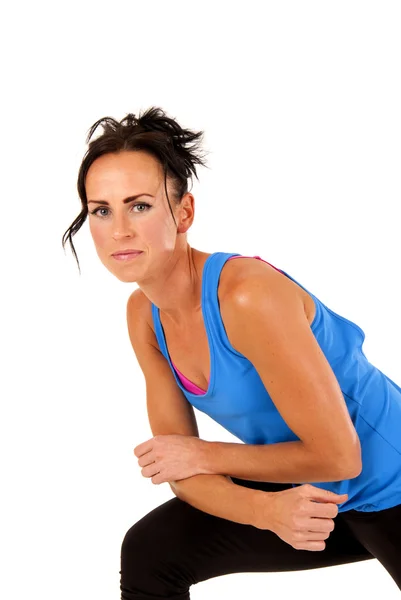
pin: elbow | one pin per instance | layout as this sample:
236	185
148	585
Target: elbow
174	488
356	451
343	470
352	471
350	463
177	488
347	467
342	463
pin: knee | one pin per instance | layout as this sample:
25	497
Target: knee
148	539
133	545
139	566
148	564
140	550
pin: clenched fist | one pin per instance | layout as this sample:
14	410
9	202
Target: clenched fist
301	516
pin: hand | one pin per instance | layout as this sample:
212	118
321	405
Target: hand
301	516
167	458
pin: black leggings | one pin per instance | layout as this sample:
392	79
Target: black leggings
176	545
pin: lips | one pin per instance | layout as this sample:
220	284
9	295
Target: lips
120	252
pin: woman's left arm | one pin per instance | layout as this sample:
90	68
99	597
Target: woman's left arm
267	324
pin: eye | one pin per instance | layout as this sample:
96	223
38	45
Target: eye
95	212
143	204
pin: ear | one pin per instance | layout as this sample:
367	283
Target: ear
186	213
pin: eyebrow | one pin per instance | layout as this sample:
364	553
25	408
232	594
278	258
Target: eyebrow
125	201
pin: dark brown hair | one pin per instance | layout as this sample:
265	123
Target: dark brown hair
153	132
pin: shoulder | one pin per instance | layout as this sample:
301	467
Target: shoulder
137	303
243	278
139	315
253	291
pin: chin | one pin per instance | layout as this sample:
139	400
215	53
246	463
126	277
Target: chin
126	279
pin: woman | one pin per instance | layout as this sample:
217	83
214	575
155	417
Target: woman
319	424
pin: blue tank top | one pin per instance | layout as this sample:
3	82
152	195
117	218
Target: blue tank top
372	398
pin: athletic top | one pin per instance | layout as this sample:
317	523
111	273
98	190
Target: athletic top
187	384
237	399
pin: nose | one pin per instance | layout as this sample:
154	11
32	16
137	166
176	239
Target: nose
122	227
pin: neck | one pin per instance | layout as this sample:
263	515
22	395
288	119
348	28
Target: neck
177	293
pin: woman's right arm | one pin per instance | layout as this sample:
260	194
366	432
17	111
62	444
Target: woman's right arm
169	412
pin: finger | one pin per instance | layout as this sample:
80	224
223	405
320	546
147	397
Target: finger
303	537
317	536
323	510
313	546
323	495
146	459
320	525
143	448
150	471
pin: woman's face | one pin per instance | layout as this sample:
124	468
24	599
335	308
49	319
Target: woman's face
144	224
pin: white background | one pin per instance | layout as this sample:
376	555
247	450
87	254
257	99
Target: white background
300	105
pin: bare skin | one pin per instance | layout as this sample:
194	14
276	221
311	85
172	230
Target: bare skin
169	270
168	273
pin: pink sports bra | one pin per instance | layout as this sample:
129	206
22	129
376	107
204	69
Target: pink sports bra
187	384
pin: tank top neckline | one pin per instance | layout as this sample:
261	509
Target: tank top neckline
195	390
208	335
198	390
